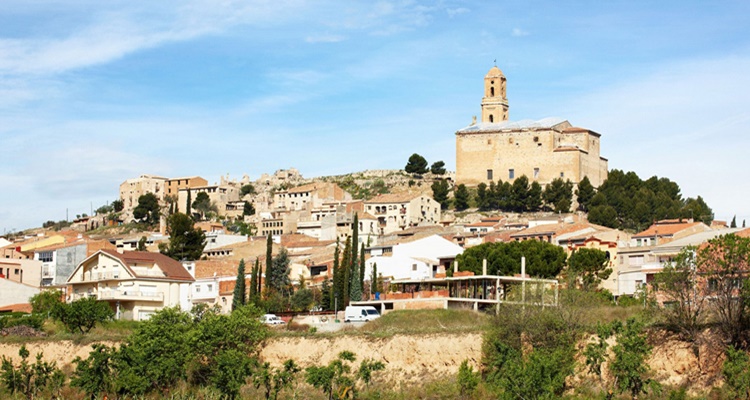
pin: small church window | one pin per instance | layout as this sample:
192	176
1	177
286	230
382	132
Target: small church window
492	119
562	174
489	175
511	173
492	92
536	173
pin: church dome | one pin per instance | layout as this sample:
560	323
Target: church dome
494	72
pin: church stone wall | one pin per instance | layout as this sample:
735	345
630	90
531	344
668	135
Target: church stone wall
541	153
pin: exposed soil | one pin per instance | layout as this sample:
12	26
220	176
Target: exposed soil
411	358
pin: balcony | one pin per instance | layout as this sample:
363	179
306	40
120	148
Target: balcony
105	276
130	295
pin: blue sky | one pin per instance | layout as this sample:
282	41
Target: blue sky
93	93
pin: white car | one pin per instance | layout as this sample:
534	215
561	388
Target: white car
272	319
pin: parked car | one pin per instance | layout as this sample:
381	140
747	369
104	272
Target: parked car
272	319
360	314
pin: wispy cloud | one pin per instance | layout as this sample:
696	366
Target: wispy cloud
651	123
518	32
452	12
325	39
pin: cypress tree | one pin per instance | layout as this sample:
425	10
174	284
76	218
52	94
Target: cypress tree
733	224
338	279
238	298
355	243
258	281
253	283
189	204
269	260
345	266
374	279
355	290
362	265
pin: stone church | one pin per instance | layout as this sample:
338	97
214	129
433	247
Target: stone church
498	149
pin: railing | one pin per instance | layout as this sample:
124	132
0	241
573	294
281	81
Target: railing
103	276
130	295
79	296
149	273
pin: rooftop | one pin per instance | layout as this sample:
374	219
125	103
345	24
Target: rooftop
544	123
172	269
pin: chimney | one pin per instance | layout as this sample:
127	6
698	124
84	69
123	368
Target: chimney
523	267
484	266
455	266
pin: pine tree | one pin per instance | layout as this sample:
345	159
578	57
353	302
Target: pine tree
534	198
461	198
743	223
269	260
584	193
238	298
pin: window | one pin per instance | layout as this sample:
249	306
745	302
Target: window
210	288
45	256
197	288
511	173
414	267
492	118
489	174
562	174
536	173
492	92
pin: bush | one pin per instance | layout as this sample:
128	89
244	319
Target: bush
529	352
736	371
30	320
467	379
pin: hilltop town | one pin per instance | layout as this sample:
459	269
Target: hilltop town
531	211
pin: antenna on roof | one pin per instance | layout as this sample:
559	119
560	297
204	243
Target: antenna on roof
495	61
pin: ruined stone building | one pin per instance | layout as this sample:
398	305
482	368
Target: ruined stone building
498	149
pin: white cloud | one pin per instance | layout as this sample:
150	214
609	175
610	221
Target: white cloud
324	39
452	12
518	32
686	121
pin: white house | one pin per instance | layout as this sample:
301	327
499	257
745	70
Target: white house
134	283
420	259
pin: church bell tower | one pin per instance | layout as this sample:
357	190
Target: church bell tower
494	102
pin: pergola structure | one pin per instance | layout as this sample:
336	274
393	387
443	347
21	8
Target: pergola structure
478	292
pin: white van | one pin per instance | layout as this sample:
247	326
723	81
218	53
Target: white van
271	319
360	314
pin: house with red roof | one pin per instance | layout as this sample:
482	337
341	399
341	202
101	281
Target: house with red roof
135	284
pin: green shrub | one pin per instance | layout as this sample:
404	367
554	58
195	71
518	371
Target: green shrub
736	371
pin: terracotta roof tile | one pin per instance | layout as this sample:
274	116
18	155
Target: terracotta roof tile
219	268
172	268
665	229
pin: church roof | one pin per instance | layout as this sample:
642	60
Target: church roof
513	125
